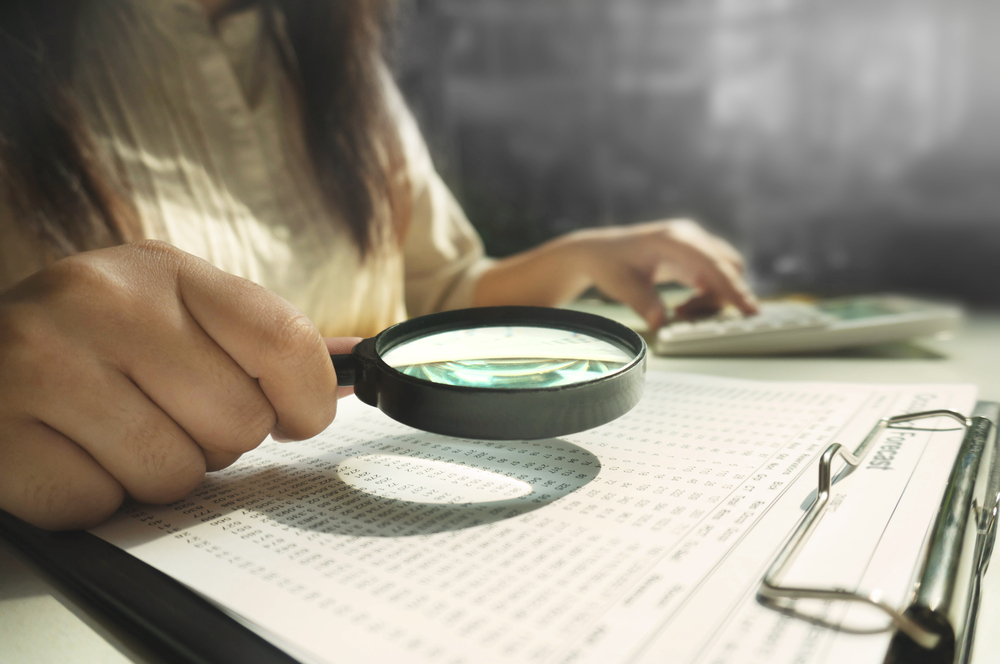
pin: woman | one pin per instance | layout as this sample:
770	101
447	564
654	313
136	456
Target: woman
204	198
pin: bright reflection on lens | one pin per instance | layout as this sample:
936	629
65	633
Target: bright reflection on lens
508	357
518	373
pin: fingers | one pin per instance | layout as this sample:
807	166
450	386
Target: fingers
731	254
637	290
725	250
114	422
133	370
713	265
203	389
626	262
726	285
215	460
701	305
51	482
270	340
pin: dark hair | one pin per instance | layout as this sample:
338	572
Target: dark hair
54	179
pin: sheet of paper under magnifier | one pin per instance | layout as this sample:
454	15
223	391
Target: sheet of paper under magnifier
641	541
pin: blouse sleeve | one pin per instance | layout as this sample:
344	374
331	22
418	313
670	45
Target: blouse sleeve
442	253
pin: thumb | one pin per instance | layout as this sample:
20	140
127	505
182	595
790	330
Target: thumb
342	346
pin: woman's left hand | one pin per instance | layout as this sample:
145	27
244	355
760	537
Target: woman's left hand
625	263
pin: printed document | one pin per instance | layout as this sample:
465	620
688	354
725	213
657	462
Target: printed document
641	541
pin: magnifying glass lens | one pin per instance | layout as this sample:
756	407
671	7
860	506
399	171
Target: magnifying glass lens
499	373
507	357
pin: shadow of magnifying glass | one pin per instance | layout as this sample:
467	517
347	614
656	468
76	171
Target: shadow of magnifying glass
426	484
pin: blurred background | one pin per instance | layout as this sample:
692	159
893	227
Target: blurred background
845	146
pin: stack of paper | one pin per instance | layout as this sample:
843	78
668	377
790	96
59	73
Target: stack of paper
641	541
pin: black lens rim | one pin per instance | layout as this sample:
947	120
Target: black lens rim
501	414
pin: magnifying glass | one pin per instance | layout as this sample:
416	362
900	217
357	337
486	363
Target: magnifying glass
499	373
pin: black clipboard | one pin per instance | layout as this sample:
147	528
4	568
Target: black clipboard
937	625
148	611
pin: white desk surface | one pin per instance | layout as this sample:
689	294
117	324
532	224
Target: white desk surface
37	626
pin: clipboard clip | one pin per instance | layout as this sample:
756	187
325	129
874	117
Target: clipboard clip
953	549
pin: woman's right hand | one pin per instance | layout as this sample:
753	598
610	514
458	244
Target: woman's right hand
131	371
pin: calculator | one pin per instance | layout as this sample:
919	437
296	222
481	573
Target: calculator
792	326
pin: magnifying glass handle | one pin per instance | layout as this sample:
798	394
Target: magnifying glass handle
346	369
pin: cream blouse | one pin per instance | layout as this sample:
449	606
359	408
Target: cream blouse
200	122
